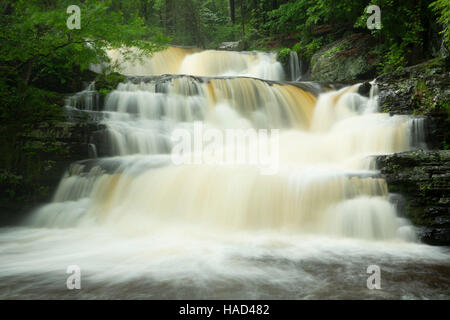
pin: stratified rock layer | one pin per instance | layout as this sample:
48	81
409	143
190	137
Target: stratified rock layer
423	179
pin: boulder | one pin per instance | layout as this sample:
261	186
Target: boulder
345	60
232	46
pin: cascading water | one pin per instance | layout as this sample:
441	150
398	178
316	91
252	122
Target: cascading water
176	60
134	221
295	66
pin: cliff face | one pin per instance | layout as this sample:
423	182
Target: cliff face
34	156
39	158
422	90
421	177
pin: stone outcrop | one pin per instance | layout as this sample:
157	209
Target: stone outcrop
421	90
345	60
423	180
232	46
46	152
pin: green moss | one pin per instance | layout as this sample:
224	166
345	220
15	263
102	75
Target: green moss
333	50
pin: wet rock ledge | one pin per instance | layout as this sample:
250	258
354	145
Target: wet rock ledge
420	182
422	178
45	153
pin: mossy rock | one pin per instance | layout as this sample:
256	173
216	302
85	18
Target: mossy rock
421	90
346	60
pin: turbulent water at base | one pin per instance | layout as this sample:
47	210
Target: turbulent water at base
142	227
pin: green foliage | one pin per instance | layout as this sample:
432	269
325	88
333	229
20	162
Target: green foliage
283	55
405	26
297	48
401	33
442	9
9	183
39	51
313	46
304	15
106	83
393	59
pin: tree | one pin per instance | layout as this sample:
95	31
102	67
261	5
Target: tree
442	9
243	18
36	41
232	12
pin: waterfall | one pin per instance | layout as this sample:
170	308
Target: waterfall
295	66
302	219
88	99
326	183
176	60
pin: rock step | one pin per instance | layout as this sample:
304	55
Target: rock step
423	179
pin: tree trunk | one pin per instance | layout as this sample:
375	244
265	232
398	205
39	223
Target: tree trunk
232	12
144	10
169	16
274	4
243	18
27	75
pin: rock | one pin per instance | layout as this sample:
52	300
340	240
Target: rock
347	60
421	90
364	89
444	52
46	152
232	46
423	179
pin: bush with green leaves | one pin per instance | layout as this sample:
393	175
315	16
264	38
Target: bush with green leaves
283	55
442	9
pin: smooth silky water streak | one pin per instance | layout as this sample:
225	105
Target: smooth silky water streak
164	62
225	63
141	116
295	67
